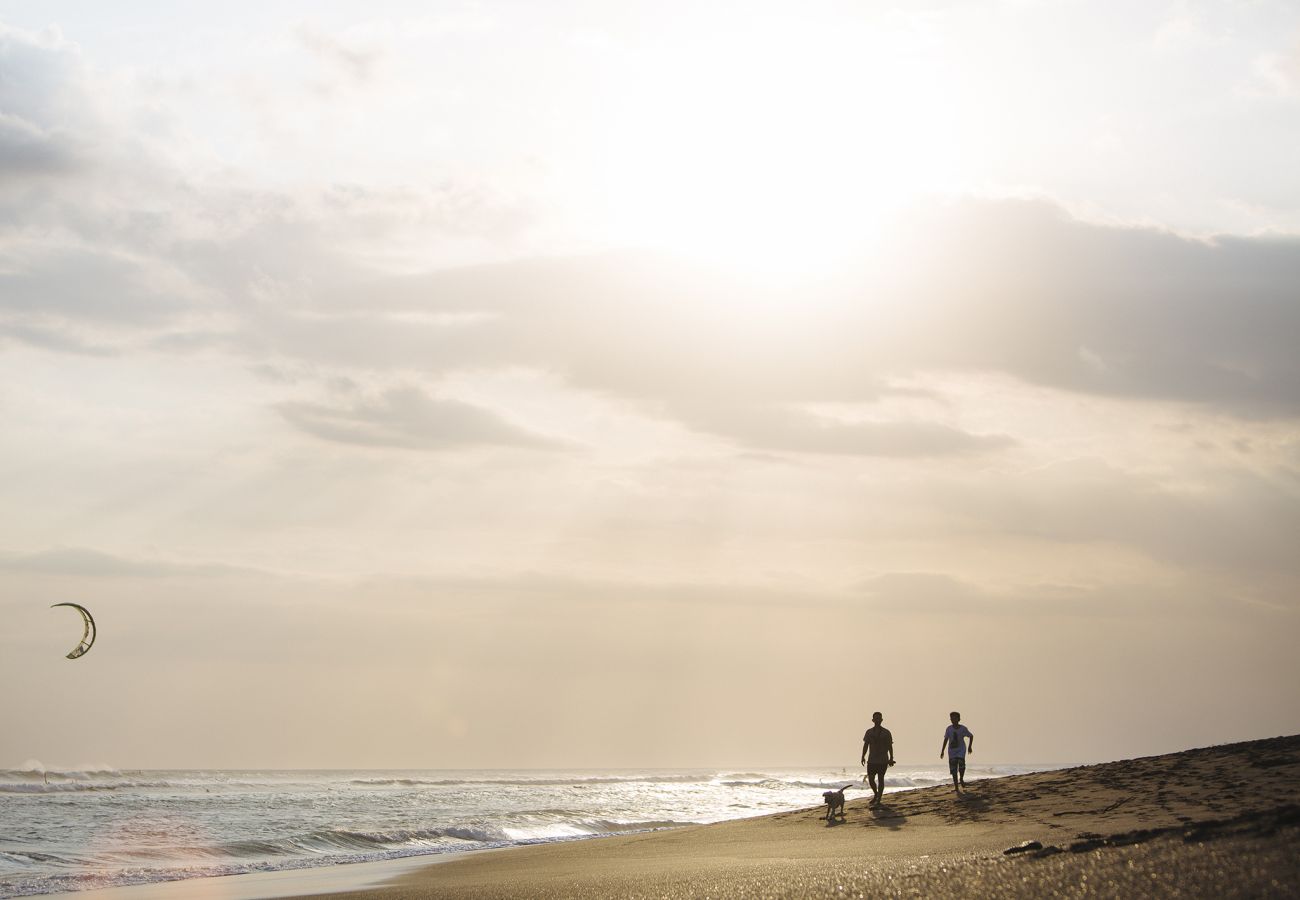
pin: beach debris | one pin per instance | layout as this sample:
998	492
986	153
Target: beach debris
87	635
1024	847
1088	845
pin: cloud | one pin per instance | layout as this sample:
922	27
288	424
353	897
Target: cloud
1212	521
1012	287
926	593
981	286
53	338
407	417
42	111
935	594
26	150
676	340
90	287
85	563
357	64
1277	73
273	278
792	430
122	237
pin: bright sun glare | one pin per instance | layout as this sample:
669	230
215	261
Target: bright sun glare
781	159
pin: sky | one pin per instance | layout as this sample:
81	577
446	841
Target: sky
576	384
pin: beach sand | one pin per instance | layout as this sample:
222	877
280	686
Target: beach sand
1216	822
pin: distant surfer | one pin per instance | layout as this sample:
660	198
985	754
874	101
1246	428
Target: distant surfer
877	755
957	741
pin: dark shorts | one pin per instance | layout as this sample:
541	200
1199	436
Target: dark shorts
877	768
957	764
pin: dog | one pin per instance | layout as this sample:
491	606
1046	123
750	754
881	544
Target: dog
835	802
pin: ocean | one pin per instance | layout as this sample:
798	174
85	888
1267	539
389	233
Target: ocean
64	831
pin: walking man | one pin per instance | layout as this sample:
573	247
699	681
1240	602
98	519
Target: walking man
958	741
877	755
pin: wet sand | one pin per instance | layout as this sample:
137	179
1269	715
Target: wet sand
317	880
1216	822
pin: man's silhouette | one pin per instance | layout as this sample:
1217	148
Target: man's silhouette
877	755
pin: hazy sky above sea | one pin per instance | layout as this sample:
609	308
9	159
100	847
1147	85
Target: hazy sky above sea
470	384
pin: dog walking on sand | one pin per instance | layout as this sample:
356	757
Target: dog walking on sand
835	803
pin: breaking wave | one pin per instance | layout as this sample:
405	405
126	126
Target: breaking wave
65	787
540	781
451	837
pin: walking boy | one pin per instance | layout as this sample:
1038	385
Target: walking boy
958	741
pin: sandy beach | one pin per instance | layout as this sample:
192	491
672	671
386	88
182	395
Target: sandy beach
1215	822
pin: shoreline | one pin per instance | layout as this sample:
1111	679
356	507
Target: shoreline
1212	822
1218	821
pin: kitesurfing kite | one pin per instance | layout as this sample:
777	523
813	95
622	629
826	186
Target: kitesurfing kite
87	636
